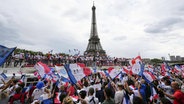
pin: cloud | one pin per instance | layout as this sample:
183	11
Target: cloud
120	38
163	26
126	28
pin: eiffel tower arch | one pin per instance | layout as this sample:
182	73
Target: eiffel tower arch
94	47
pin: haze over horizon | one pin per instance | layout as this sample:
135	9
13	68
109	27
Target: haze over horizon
126	28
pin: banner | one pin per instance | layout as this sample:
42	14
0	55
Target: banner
4	53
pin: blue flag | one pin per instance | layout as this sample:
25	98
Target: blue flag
4	53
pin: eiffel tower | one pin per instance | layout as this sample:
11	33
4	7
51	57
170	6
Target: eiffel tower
94	47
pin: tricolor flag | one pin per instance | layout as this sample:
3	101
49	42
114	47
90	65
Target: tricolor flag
4	53
54	77
177	68
75	72
154	94
136	65
113	72
102	73
131	87
42	69
149	77
166	66
22	79
127	70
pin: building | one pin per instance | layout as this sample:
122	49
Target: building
178	58
172	58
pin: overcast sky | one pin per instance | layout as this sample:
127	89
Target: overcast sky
151	28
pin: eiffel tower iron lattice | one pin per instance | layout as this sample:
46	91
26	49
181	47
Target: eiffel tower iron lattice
94	46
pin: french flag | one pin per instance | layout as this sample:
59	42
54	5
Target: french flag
150	68
102	73
22	79
149	77
125	70
113	72
166	66
131	87
135	60
55	77
163	70
136	65
42	69
154	94
75	72
177	68
37	74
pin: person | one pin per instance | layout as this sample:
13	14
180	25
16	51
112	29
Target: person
167	88
68	100
4	97
137	100
17	97
164	100
178	95
108	99
119	95
82	97
62	96
91	98
38	91
46	94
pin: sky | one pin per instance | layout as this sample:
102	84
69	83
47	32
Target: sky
126	28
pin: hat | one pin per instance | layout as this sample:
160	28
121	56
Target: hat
39	85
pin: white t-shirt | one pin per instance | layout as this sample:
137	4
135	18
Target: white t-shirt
95	100
136	93
119	95
37	93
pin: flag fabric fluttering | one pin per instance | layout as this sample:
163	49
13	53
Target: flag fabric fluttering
136	65
177	68
22	79
113	72
42	69
70	75
149	77
166	66
61	71
87	71
154	94
4	53
3	76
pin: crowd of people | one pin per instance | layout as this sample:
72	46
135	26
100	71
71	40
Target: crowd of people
126	89
27	59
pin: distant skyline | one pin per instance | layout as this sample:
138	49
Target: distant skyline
127	28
